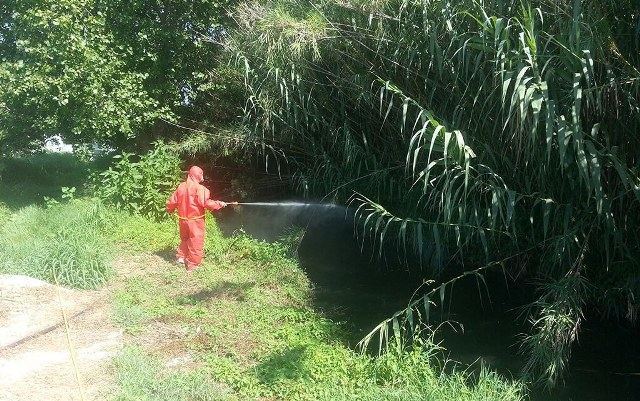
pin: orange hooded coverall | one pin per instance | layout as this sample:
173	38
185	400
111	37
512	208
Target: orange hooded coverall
191	199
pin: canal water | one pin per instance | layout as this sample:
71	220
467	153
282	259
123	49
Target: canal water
354	288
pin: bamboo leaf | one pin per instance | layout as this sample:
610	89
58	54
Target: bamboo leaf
511	203
546	214
563	137
438	245
427	308
594	164
405	107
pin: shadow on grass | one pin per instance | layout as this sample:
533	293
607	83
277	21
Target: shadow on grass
288	364
27	180
168	254
222	290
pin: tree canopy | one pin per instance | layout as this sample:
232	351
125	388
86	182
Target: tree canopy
106	71
63	73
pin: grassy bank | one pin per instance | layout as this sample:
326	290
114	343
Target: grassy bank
30	179
244	327
62	243
45	232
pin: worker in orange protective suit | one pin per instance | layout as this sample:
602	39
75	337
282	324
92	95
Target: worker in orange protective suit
191	200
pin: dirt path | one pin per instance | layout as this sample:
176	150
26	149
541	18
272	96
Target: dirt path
44	358
36	345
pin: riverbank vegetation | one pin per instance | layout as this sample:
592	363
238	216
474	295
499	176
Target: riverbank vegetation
474	135
246	319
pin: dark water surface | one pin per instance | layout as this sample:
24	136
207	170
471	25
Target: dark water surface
352	288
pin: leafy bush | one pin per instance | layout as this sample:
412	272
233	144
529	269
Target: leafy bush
140	187
61	244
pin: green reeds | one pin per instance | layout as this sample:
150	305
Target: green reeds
464	132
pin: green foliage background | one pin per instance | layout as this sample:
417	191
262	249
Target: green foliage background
112	72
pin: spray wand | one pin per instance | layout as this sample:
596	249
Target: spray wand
295	204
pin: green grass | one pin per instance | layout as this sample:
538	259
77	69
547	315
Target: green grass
140	234
4	212
142	378
248	322
63	243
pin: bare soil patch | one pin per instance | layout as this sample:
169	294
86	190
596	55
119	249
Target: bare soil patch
44	358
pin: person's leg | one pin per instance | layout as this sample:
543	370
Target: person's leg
181	252
195	245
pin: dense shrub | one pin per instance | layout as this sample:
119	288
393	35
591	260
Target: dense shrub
141	186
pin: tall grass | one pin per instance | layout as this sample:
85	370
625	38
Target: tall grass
470	135
63	243
5	212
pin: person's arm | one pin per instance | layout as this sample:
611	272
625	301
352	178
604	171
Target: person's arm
214	205
211	204
172	202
